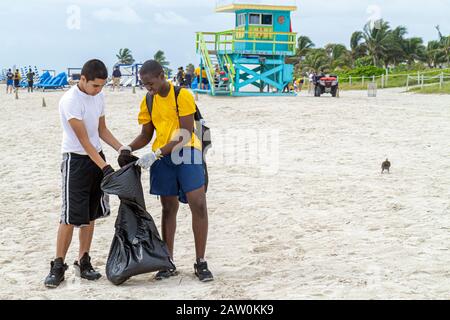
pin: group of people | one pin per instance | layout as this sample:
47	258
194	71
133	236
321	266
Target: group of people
13	80
183	79
203	84
295	86
82	114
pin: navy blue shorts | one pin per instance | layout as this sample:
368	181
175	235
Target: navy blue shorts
186	174
9	82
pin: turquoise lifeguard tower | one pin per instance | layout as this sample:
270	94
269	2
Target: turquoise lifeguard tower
250	59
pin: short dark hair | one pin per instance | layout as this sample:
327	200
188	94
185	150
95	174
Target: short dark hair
94	69
151	67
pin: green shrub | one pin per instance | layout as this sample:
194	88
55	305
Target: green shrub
366	71
363	62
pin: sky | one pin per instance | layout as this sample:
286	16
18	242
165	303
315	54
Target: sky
57	34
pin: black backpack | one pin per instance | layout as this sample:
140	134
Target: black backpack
200	130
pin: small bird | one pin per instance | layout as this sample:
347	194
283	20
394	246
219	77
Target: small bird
385	166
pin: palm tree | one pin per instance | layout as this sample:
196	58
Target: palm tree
377	40
160	57
304	44
395	48
413	49
338	55
445	45
433	54
357	47
125	56
317	60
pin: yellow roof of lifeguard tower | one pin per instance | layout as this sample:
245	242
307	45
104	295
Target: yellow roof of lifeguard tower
237	6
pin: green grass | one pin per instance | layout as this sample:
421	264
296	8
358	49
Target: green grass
433	89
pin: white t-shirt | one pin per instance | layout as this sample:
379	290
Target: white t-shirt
77	104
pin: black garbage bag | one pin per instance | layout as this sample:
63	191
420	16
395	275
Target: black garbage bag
137	247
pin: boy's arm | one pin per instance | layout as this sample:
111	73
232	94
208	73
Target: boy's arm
106	135
81	133
144	137
141	141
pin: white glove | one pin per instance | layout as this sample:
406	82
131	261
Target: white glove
146	161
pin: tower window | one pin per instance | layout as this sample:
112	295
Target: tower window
254	18
260	19
241	19
267	19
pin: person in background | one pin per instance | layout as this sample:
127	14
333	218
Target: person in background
301	81
188	79
9	81
30	78
203	85
116	76
216	75
180	77
17	78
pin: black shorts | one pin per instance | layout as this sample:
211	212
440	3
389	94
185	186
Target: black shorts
82	198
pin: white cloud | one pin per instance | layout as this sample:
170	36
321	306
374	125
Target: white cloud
170	18
179	3
124	14
263	2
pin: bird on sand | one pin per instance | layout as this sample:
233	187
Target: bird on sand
385	166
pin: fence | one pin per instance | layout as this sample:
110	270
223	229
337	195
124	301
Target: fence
394	80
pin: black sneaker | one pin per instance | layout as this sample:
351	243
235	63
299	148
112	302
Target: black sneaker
202	272
164	274
56	275
84	269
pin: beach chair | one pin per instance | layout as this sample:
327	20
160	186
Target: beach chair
58	82
45	79
128	82
42	79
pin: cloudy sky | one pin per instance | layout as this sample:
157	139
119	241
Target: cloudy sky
56	34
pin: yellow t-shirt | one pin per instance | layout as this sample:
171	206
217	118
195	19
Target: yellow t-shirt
197	73
165	117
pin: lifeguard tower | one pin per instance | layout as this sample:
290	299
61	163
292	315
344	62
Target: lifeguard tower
250	59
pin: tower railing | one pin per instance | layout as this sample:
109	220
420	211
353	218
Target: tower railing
226	41
202	48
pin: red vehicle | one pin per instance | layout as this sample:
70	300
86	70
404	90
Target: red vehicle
326	84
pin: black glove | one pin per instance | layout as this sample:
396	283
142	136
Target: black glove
107	170
125	158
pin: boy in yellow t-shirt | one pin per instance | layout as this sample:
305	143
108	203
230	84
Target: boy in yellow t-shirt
204	83
175	163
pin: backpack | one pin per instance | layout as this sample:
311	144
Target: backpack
202	132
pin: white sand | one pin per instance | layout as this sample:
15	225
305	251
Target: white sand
327	225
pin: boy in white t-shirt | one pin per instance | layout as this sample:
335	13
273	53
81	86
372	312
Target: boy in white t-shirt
82	113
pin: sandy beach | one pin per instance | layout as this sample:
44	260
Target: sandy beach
322	223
